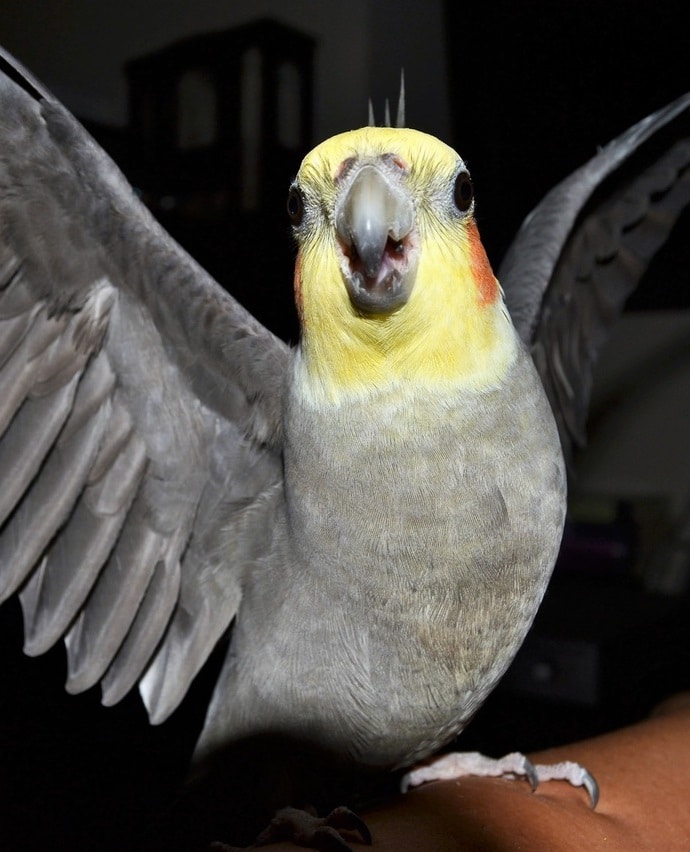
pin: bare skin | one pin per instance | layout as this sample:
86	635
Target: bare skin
643	773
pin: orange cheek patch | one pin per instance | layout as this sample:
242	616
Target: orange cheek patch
481	268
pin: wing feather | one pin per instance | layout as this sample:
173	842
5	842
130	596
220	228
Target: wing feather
53	596
140	418
40	420
585	248
48	502
148	628
103	622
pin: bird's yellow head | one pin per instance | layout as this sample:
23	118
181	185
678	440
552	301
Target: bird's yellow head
391	281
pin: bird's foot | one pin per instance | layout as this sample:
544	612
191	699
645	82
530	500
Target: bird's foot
304	828
458	764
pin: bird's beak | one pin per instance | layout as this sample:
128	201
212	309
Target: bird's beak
375	222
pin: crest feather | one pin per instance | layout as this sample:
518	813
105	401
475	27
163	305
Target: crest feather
400	113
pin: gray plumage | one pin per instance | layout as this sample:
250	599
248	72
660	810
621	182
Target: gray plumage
583	250
136	431
161	478
386	703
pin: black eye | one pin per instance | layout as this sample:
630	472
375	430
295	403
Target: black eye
463	193
295	205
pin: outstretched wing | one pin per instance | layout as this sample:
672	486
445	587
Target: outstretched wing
584	249
140	411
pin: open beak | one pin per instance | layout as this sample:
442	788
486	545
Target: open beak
375	222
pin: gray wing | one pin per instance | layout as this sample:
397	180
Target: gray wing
584	249
140	410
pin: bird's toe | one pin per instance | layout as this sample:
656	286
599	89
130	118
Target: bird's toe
515	764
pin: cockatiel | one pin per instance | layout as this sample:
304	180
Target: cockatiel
376	512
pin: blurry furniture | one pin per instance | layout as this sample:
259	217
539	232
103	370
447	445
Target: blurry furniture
223	112
219	123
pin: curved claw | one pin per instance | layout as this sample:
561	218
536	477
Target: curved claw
343	817
530	772
589	782
574	774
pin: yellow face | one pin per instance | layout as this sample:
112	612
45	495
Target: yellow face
429	309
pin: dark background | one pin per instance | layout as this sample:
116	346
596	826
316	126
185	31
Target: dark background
525	91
